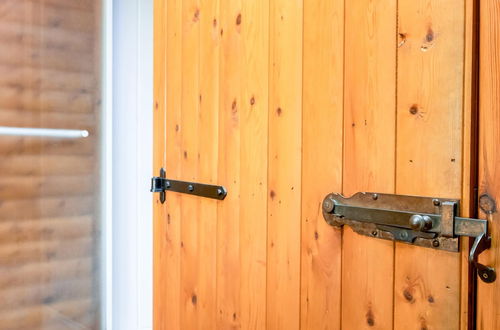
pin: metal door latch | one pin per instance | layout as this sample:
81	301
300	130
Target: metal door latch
423	221
161	184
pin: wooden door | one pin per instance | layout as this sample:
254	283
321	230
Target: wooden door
283	102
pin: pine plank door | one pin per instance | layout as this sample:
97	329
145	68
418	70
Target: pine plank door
283	102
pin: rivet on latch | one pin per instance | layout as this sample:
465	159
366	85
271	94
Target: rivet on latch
190	187
435	243
219	192
328	205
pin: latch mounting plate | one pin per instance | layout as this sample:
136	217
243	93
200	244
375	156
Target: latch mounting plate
423	221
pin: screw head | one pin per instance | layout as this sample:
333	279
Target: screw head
190	187
219	191
328	205
375	197
403	235
436	202
374	233
435	243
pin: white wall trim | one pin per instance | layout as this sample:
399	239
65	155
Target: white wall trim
106	164
132	157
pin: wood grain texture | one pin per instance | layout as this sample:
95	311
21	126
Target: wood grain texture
429	163
33	316
23	77
322	130
228	228
254	31
369	148
53	37
192	309
28	12
207	135
488	296
13	255
285	122
45	272
163	251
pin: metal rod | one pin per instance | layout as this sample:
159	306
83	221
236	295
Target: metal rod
44	132
393	218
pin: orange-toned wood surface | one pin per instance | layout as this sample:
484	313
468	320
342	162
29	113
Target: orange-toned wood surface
320	303
430	100
488	295
49	188
282	102
369	151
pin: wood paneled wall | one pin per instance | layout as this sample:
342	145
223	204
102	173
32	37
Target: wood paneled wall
49	188
282	102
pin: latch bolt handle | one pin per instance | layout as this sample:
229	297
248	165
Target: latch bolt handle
420	222
481	243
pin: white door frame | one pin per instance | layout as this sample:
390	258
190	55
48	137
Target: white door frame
132	299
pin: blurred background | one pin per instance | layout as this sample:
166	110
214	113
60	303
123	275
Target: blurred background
50	224
73	251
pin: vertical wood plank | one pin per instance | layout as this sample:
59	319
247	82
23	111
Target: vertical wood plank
207	158
228	226
254	22
193	304
172	134
369	148
161	280
285	122
488	295
429	153
321	162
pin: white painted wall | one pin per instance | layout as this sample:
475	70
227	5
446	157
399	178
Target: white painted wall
132	164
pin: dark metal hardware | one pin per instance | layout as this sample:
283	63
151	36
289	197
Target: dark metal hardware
422	221
161	184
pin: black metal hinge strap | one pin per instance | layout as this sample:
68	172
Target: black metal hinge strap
161	185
